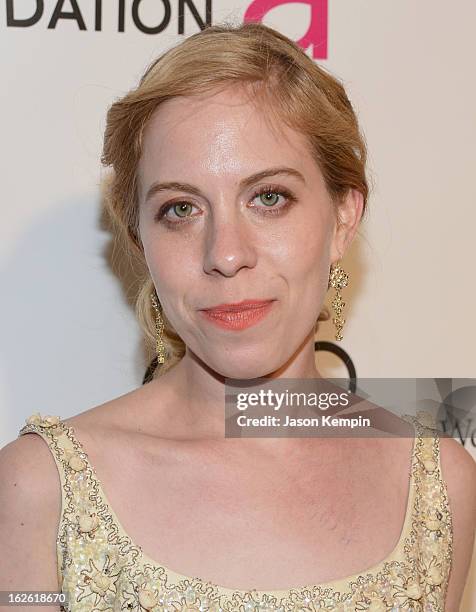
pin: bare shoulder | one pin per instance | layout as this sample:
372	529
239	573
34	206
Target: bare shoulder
459	473
29	515
27	468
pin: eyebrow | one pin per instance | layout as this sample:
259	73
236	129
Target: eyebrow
246	182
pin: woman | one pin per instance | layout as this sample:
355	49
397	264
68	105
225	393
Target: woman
239	175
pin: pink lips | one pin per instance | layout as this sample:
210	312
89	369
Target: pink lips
239	315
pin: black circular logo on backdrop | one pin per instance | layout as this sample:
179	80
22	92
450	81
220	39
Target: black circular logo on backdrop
331	347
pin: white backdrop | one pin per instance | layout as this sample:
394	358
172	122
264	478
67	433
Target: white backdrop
69	337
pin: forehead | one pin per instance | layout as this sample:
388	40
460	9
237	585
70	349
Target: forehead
224	134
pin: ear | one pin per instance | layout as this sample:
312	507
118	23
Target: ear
348	214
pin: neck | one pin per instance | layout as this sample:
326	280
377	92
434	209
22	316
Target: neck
193	394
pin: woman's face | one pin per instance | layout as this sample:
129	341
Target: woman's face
219	241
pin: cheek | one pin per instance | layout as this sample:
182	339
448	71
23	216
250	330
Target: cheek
298	252
174	273
301	258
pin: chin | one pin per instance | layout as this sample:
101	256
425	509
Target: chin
246	367
254	360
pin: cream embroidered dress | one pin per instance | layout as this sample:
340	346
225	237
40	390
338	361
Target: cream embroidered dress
100	567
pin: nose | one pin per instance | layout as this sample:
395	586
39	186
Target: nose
229	246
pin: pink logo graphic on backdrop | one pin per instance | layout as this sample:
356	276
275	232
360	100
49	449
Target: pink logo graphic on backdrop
316	34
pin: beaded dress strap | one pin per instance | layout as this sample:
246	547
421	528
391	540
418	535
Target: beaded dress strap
432	533
65	455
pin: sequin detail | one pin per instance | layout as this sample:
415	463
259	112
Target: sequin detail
101	569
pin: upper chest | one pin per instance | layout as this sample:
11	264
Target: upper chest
308	519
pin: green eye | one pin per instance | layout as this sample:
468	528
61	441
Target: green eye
181	210
269	198
182	207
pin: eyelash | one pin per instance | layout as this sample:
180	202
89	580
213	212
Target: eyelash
290	199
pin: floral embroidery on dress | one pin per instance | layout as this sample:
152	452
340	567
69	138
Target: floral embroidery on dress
101	569
98	581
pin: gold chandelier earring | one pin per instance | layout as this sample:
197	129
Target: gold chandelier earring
338	279
159	328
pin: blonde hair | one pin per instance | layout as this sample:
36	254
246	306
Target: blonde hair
285	81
